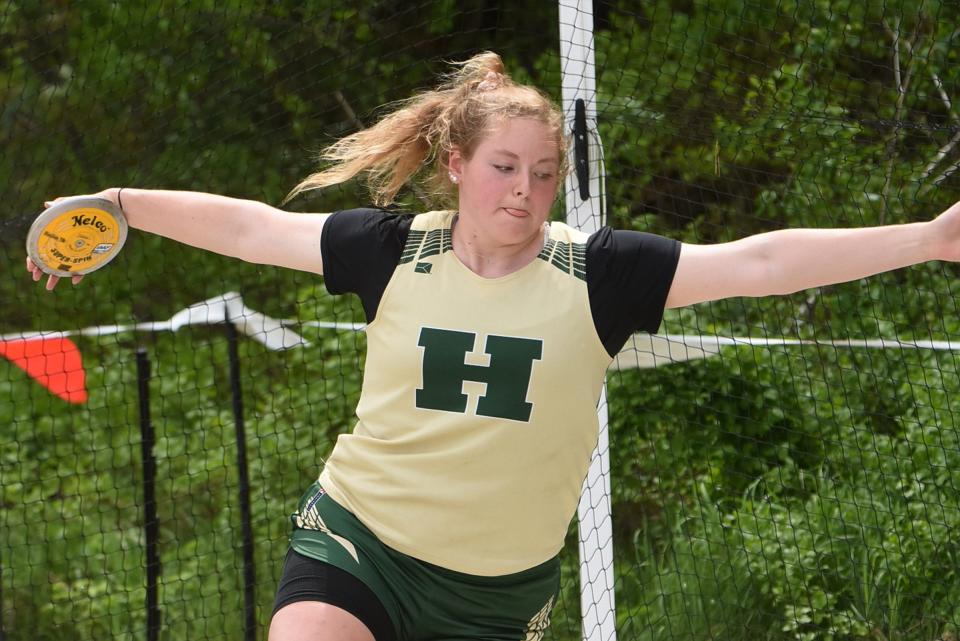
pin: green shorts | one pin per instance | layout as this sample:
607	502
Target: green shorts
426	601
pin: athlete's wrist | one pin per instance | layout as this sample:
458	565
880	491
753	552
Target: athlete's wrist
112	194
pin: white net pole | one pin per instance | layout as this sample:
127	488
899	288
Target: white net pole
584	211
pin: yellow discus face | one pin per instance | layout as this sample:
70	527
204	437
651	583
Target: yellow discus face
76	236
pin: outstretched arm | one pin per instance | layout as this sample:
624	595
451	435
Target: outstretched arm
782	262
244	229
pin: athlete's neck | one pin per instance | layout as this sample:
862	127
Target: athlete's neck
482	255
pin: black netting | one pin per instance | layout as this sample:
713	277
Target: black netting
776	490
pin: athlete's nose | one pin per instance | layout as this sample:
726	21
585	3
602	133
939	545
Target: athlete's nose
522	186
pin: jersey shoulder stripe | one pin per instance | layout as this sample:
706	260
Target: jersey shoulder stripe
429	236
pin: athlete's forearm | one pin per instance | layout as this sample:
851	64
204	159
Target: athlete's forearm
798	259
791	260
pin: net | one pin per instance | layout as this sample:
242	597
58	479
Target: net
791	483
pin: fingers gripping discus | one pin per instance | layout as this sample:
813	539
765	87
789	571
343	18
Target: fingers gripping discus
76	236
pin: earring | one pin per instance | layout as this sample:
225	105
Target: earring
454	179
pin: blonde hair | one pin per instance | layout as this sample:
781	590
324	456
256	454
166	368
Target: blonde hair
423	130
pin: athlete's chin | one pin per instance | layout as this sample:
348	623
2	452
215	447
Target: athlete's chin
520	231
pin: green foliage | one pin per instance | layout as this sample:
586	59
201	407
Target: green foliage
767	493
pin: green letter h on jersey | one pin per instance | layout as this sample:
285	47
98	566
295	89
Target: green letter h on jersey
507	377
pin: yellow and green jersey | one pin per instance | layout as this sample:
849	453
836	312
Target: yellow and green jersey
478	412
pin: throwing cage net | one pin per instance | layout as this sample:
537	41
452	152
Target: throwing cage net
778	468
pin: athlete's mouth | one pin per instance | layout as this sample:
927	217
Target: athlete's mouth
519	213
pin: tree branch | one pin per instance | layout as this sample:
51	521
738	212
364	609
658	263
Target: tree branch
943	94
902	78
941	153
947	148
347	109
946	173
894	134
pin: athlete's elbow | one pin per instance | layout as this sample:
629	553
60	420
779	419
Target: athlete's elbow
255	239
764	274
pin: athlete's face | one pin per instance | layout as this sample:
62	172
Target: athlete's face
508	185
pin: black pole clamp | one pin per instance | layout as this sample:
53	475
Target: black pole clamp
580	149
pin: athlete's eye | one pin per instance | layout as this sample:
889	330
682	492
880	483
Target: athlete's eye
543	176
503	168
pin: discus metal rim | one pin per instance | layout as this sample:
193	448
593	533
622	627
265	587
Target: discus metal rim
78	251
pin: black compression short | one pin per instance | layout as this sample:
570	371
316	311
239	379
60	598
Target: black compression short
306	579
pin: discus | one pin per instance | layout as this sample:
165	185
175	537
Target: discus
76	236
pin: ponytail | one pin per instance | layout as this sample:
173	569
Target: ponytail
423	130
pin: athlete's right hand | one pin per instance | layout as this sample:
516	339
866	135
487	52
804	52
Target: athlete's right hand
52	281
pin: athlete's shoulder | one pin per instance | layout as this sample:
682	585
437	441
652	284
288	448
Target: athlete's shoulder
440	219
562	232
565	249
363	229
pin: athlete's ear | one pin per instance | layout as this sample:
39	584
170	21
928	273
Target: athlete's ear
455	161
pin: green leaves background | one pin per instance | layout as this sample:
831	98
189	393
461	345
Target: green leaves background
774	493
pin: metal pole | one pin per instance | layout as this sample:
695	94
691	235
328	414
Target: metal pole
585	211
249	574
151	525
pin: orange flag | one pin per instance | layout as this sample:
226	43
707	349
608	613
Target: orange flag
54	362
